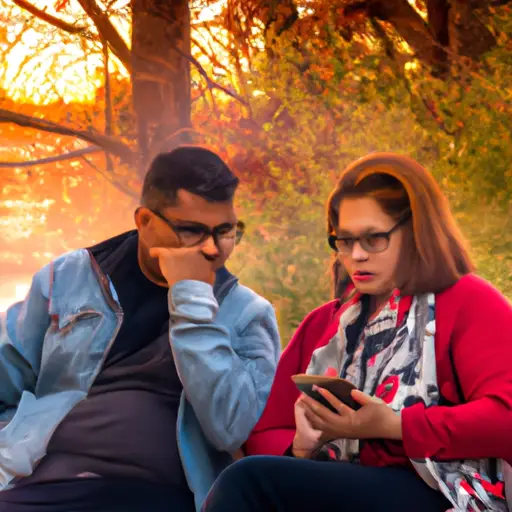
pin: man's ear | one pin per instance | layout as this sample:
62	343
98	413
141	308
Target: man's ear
142	217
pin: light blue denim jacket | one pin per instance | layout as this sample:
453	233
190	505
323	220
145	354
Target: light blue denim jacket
53	345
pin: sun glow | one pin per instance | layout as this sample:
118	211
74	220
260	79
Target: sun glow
44	64
23	217
17	291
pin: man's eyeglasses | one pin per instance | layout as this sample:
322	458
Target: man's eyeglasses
372	242
191	234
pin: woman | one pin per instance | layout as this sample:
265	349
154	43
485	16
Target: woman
429	347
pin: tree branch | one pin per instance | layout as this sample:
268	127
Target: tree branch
283	14
72	155
398	61
437	15
211	84
409	25
212	57
469	35
109	120
396	58
109	177
107	143
466	34
164	146
52	20
105	28
108	32
431	108
200	95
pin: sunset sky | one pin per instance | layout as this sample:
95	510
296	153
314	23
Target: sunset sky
44	64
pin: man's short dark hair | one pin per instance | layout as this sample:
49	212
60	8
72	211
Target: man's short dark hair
192	168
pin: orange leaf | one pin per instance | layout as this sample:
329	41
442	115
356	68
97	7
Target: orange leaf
60	4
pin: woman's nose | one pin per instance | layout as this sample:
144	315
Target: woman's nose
358	253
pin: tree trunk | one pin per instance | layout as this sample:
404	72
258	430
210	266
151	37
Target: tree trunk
161	75
409	25
438	22
453	24
468	34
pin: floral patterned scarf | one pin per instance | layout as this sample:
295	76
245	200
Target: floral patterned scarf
396	363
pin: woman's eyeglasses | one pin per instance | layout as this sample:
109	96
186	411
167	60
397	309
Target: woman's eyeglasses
372	242
191	234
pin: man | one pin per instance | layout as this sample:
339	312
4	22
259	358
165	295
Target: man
135	369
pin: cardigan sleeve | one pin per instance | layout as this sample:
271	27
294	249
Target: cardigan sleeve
481	345
275	431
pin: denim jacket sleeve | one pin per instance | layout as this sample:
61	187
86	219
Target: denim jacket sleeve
227	387
22	330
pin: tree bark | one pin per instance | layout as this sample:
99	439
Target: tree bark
438	13
468	34
454	28
161	94
409	25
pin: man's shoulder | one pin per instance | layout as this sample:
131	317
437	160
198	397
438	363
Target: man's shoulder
71	261
63	269
243	306
250	313
243	296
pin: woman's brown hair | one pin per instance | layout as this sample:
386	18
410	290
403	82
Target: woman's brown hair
434	253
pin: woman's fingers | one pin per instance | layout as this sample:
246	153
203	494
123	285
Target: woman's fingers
363	398
320	410
335	402
314	420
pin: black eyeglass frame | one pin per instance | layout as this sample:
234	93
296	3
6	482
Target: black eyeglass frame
332	239
207	231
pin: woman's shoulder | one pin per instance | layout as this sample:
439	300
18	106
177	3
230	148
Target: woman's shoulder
316	322
470	287
322	313
472	293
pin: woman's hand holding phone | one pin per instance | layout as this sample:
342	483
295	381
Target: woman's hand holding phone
307	439
332	408
374	419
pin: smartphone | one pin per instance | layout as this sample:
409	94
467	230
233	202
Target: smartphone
340	388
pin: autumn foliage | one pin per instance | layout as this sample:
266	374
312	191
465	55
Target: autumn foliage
288	92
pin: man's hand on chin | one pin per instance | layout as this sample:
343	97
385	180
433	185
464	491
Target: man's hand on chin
182	264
